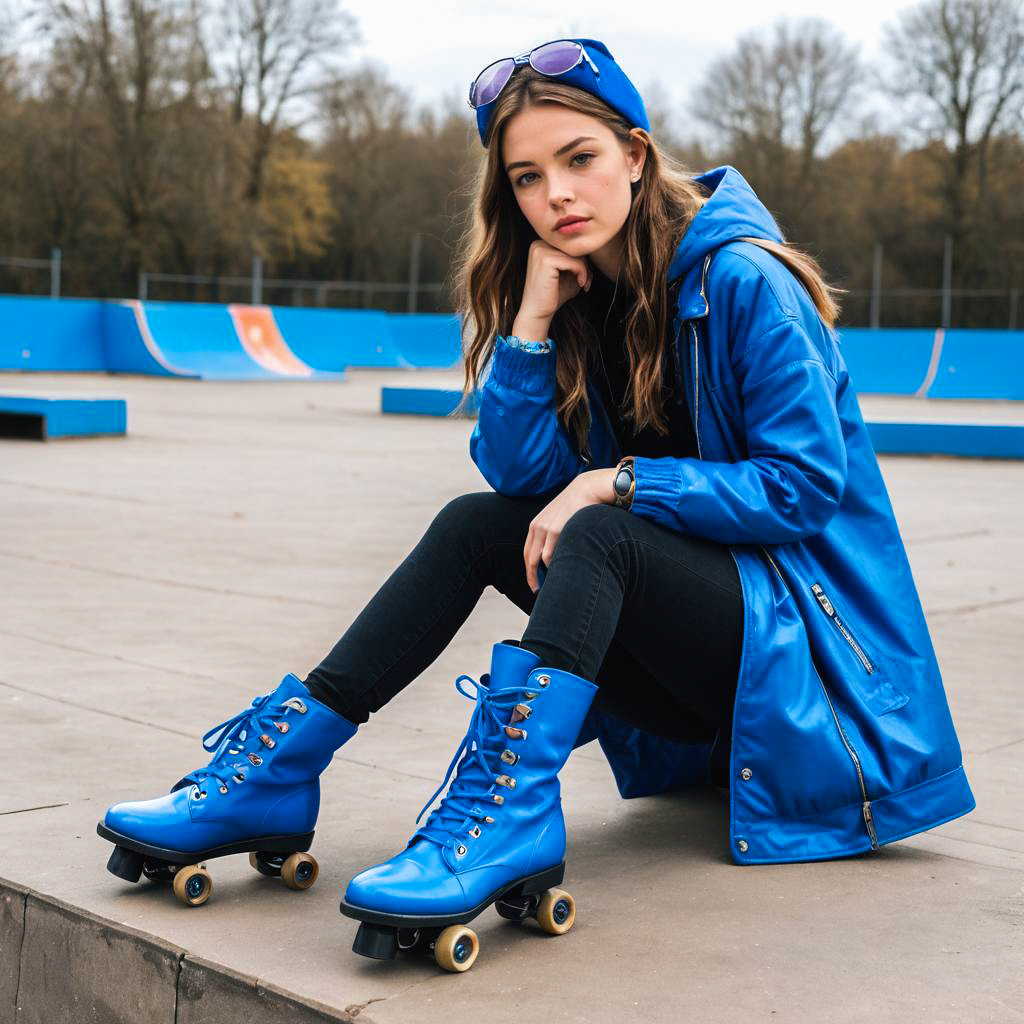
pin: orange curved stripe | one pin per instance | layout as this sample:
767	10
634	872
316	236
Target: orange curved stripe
261	338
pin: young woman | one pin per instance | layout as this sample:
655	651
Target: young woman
685	502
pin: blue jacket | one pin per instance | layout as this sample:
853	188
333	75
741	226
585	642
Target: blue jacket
842	738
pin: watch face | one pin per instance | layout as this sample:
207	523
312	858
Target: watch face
622	482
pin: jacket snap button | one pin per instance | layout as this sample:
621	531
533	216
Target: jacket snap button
741	845
746	774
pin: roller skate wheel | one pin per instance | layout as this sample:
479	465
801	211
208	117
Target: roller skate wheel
557	912
456	948
193	885
299	871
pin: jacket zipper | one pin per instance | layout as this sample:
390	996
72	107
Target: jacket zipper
829	609
865	802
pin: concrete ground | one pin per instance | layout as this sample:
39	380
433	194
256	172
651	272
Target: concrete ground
151	586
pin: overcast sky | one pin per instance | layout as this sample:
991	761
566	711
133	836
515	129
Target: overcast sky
438	47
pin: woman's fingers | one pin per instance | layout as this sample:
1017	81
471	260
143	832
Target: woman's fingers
540	547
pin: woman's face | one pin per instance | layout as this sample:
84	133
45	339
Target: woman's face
561	163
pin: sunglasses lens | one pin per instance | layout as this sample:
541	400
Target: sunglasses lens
491	81
556	58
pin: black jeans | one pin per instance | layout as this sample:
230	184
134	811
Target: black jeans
653	616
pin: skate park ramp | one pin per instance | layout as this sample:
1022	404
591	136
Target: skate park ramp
957	363
332	339
217	342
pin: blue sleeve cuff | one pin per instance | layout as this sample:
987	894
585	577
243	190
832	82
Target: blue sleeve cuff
531	372
658	485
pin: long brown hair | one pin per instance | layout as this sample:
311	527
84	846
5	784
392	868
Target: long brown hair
490	266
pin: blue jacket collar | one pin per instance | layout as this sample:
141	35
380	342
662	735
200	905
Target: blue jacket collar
731	211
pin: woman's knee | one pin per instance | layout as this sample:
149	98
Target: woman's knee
484	515
598	523
464	509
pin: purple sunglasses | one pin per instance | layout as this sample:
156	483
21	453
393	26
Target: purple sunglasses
554	58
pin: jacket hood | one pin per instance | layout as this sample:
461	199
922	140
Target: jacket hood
732	211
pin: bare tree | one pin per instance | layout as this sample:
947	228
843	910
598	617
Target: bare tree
127	51
778	94
960	64
279	52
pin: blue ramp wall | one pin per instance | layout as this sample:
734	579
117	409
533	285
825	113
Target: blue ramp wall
331	339
980	364
886	362
51	334
427	339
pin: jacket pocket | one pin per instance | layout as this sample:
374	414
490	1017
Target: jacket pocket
878	692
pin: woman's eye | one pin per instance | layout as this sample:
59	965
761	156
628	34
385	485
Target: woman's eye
521	180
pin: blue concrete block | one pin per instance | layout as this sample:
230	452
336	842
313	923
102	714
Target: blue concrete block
40	417
979	440
425	401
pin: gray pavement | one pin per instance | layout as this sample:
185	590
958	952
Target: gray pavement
151	585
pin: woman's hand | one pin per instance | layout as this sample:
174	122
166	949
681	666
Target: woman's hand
590	488
552	278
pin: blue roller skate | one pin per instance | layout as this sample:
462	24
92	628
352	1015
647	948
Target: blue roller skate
259	794
498	836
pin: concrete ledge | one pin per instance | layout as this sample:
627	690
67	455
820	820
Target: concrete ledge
76	967
12	931
211	994
63	965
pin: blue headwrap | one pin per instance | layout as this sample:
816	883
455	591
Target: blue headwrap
611	85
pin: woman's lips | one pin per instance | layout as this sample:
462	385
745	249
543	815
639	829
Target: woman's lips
573	228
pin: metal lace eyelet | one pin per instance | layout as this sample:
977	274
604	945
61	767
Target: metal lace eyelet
513	733
281	726
239	777
529	695
506	780
255	759
523	711
488	820
460	850
267	741
223	789
497	798
508	757
543	680
297	704
475	831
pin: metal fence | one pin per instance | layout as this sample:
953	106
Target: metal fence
874	307
52	265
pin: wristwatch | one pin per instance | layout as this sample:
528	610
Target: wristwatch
625	483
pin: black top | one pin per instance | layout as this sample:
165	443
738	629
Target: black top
606	308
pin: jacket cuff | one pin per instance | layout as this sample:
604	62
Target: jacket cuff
532	373
658	485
